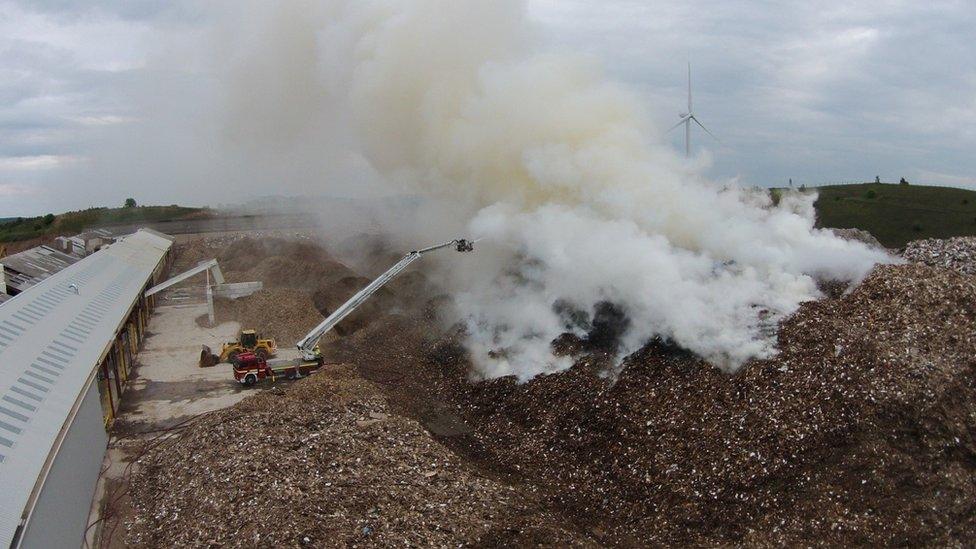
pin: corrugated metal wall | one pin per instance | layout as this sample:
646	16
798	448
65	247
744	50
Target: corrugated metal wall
61	513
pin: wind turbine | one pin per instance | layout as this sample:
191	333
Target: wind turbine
688	117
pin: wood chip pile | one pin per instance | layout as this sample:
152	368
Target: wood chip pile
285	314
861	431
954	253
324	464
302	284
858	234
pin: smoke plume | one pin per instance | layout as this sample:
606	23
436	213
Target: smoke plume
579	203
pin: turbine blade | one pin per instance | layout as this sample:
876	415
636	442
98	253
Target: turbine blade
680	122
706	129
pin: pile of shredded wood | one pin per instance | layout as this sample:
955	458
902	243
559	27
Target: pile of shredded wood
953	253
860	235
861	431
303	284
285	314
324	464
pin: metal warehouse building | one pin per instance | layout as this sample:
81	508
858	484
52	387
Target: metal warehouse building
66	346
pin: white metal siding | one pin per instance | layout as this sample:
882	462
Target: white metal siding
61	513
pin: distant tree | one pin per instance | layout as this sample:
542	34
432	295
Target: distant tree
965	201
872	194
877	179
803	187
48	219
130	202
903	181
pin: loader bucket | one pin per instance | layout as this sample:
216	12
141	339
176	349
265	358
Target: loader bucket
207	358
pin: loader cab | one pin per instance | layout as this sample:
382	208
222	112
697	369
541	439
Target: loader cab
248	339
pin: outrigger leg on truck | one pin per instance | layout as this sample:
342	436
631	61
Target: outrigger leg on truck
250	368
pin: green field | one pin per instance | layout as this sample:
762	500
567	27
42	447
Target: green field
897	214
26	228
894	214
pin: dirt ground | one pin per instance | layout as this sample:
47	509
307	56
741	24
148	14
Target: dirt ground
168	386
861	432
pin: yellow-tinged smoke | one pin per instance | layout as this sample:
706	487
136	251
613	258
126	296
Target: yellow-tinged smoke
556	167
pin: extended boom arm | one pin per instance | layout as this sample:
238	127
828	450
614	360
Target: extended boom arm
307	345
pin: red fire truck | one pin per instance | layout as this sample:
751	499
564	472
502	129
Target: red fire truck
250	368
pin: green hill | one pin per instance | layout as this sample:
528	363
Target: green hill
896	214
26	228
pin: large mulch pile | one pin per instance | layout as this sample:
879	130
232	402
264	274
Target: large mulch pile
861	431
953	253
324	464
285	314
860	235
302	282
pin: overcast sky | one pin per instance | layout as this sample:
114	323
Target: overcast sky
813	91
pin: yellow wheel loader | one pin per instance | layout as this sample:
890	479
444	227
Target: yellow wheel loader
248	341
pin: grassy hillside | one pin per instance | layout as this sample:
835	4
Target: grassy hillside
26	228
896	214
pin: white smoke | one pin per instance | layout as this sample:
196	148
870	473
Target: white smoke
574	192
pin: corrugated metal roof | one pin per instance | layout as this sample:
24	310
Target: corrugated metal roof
50	341
40	262
104	234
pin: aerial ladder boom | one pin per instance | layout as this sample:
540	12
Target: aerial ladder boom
307	345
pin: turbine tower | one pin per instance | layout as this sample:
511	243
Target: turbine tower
688	117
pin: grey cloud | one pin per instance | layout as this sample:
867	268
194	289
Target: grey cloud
793	88
134	10
817	92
